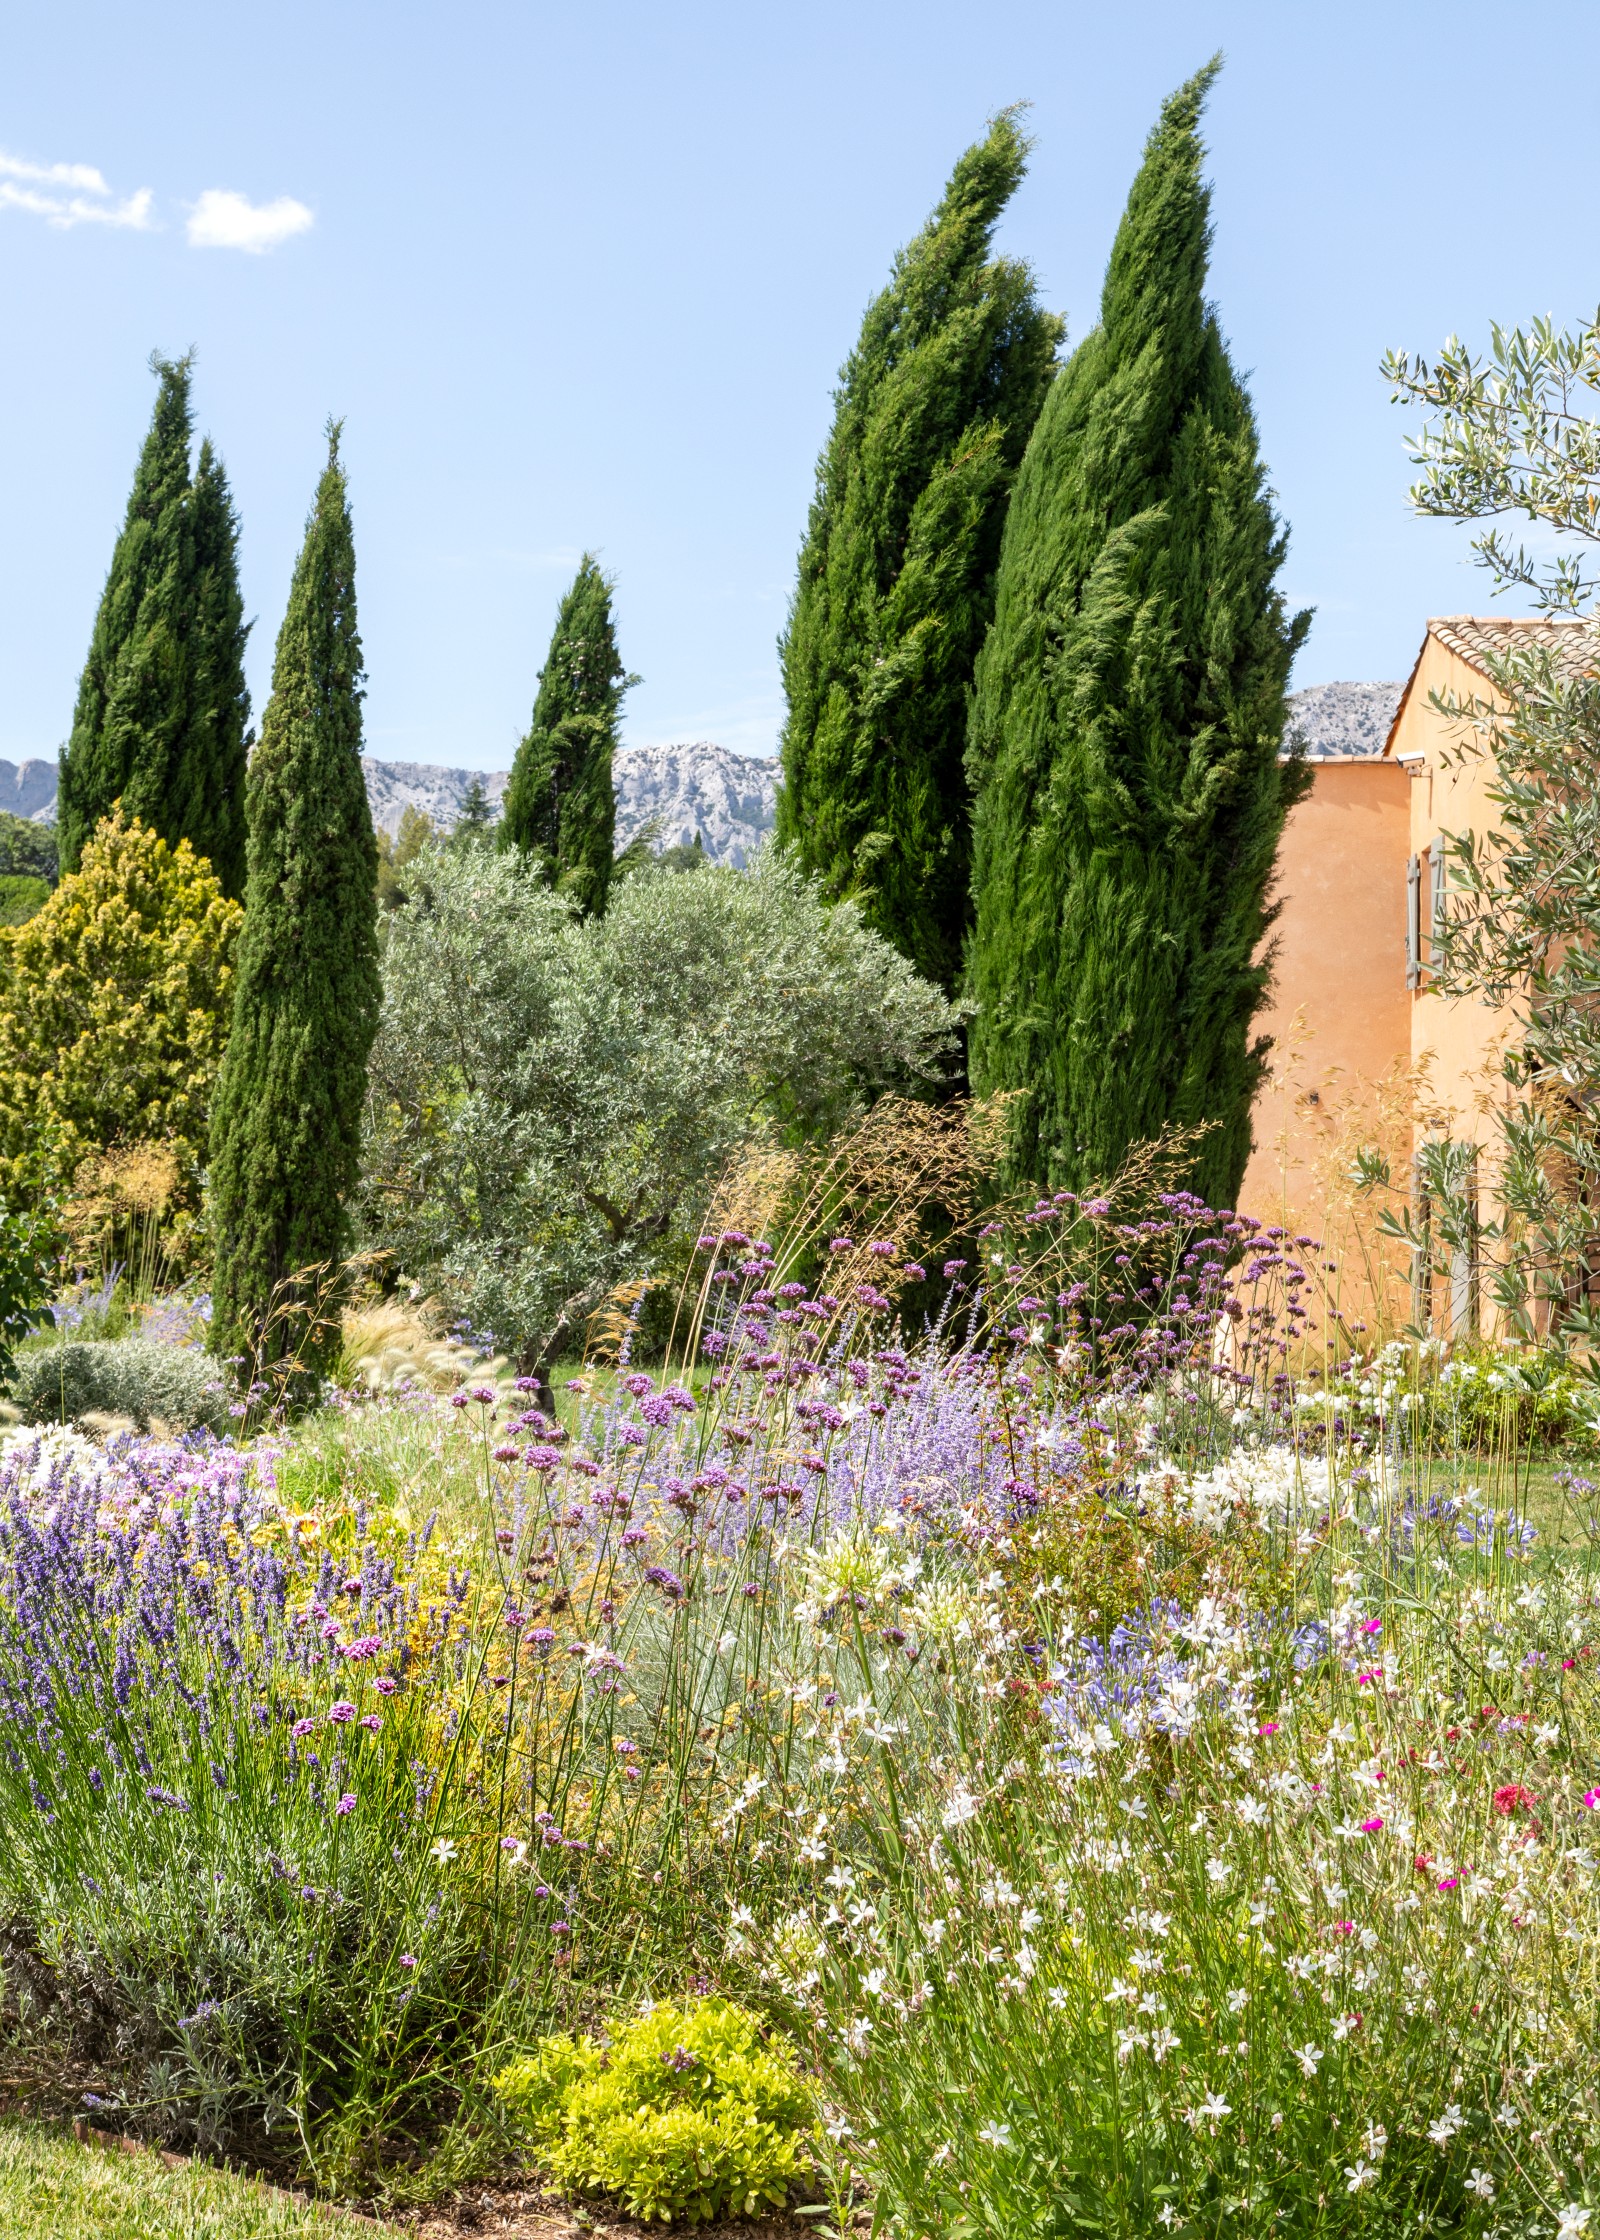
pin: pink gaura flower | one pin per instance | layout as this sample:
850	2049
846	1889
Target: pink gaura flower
1371	1827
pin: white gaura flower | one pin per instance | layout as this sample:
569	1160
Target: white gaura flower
995	2134
1308	2057
1574	2222
1358	2175
1375	2142
1481	2184
444	1850
963	1806
1444	2128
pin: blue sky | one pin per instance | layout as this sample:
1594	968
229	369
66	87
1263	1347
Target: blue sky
583	276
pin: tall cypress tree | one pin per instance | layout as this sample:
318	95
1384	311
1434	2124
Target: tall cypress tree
162	707
560	808
206	784
286	1122
1127	719
934	409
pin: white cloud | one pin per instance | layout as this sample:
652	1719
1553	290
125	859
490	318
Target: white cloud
224	220
82	175
89	205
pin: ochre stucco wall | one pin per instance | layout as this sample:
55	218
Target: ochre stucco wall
1455	1046
1339	1013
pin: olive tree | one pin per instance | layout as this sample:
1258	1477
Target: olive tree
1507	435
552	1097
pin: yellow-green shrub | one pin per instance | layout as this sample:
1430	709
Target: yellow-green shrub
685	2114
114	1006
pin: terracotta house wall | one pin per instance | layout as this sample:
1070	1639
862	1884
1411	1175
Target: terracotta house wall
1455	1045
1339	1013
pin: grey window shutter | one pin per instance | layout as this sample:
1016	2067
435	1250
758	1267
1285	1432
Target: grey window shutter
1436	898
1413	921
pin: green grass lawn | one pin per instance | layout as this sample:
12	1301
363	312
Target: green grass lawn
53	2189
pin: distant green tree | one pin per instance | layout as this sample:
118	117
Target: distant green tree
162	707
560	809
477	821
1128	716
28	850
287	1120
21	898
397	855
896	586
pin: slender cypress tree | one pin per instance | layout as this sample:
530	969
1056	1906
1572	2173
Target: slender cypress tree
560	808
1127	719
286	1123
162	707
934	409
206	785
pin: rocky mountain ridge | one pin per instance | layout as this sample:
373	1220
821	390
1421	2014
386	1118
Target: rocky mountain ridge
698	787
682	790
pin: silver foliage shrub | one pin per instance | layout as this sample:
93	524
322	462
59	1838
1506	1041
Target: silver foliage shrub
551	1099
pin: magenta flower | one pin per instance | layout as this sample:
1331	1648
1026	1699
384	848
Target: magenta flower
841	1244
1371	1827
458	1399
372	1722
385	1684
505	1454
341	1713
1591	1798
302	1727
346	1805
408	1959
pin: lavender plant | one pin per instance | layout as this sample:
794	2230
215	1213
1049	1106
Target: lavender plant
770	1671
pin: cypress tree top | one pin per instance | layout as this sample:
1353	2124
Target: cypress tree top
287	1118
162	710
560	806
933	411
1128	713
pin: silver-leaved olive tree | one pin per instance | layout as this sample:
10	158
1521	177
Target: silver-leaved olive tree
552	1097
1514	434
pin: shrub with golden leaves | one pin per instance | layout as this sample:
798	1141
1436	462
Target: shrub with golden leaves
114	1005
